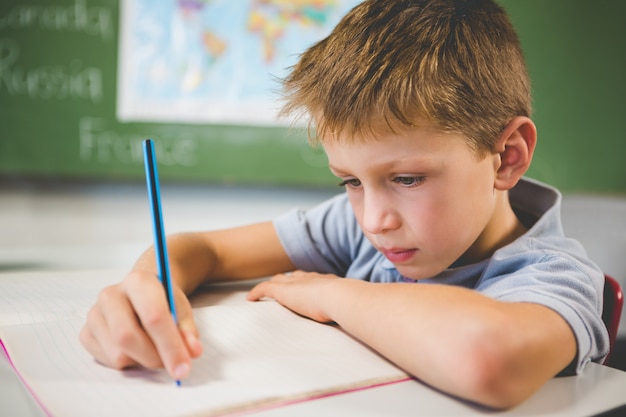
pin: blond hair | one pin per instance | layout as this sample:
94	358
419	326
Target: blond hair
390	65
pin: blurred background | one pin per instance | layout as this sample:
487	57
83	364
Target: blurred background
83	82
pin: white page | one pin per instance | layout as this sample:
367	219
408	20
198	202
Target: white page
37	296
256	355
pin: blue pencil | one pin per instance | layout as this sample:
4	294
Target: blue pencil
154	195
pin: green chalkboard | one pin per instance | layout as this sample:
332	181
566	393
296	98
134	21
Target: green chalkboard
58	89
576	54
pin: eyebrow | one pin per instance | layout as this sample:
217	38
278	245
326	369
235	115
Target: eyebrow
335	170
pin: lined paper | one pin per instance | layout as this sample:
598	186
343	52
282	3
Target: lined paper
33	297
256	354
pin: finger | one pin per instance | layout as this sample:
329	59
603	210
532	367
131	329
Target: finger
94	338
127	336
259	291
150	304
268	288
96	335
187	325
192	341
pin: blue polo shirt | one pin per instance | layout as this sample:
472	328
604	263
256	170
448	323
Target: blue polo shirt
542	266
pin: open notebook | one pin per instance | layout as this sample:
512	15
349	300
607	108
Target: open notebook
257	355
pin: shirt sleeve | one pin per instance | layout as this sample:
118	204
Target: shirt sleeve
324	239
561	282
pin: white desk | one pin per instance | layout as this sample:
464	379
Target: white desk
598	389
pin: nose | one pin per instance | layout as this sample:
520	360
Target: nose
378	213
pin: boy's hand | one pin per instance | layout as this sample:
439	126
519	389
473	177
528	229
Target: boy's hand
131	324
303	292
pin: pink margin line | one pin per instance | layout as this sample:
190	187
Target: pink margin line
30	390
280	404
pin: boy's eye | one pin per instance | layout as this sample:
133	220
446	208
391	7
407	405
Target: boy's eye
408	181
353	182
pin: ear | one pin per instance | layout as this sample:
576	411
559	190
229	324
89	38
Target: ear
514	151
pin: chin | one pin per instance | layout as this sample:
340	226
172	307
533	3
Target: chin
418	272
415	273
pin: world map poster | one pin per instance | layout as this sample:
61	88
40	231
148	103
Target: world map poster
214	61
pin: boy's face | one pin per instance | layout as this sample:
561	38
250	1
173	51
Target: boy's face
422	198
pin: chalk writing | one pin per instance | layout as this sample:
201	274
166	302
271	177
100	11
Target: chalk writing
100	144
60	82
78	17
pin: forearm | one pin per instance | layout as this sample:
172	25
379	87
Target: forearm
456	339
239	253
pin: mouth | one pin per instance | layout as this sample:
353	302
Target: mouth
398	255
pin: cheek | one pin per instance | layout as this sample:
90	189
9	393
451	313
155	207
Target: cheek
472	193
471	211
356	204
452	220
437	220
357	208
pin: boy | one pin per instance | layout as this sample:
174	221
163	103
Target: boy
460	272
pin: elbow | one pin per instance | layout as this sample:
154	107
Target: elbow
493	386
492	373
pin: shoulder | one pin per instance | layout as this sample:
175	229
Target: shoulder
544	245
325	238
543	254
331	217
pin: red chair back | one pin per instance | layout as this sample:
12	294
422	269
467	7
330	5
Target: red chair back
612	312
